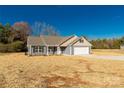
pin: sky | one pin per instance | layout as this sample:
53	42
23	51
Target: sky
91	21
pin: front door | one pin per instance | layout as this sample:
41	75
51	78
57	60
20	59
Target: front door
52	50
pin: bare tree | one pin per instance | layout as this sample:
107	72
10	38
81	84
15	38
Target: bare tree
40	28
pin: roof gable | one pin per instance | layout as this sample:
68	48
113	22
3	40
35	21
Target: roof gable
83	43
69	40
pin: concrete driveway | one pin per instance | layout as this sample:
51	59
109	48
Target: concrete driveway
105	57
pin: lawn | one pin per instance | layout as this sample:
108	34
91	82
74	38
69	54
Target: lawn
18	70
113	52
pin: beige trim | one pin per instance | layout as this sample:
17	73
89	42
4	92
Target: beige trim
66	40
85	41
69	41
75	41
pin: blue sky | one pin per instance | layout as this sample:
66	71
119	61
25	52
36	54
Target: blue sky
91	21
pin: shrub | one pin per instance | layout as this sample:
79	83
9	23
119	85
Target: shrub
16	46
3	48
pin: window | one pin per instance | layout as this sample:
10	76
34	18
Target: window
33	48
81	41
41	49
50	49
36	48
63	49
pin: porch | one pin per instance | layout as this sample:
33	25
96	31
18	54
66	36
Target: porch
44	50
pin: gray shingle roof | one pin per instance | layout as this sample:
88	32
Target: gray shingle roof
46	40
32	40
54	40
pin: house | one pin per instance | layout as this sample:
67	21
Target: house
122	47
47	45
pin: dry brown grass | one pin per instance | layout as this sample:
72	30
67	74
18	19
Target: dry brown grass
18	70
113	52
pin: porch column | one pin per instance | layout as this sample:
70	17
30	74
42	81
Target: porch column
46	50
58	50
29	50
38	50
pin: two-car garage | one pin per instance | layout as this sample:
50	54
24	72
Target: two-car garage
77	50
78	47
81	47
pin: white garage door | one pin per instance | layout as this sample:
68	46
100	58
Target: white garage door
81	50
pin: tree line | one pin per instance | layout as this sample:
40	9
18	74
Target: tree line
107	43
13	38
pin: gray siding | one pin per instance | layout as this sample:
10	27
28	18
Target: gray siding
68	50
122	47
